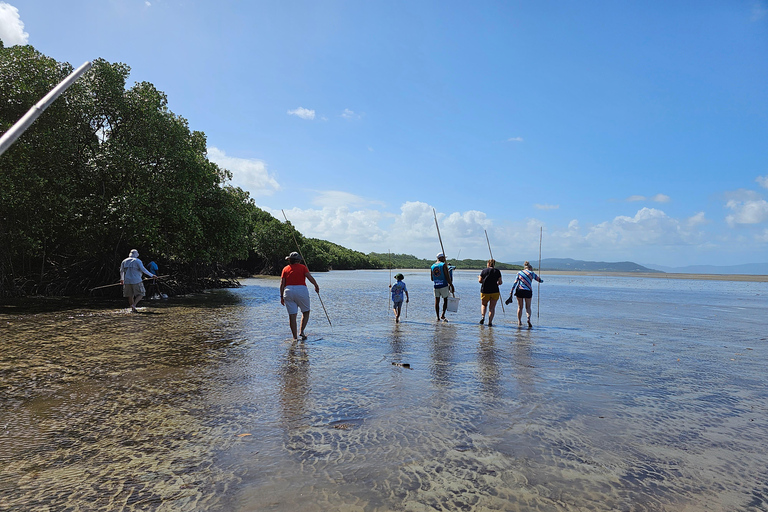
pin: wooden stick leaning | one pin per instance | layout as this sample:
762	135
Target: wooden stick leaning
442	249
538	285
298	249
491	253
120	284
389	299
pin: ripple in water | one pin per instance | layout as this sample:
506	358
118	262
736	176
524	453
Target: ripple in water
628	394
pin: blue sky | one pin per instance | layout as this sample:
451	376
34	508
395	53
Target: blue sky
624	130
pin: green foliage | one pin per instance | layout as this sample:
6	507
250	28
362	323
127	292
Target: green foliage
108	168
105	169
274	240
324	255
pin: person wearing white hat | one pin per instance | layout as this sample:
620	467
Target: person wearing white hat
441	277
131	272
294	294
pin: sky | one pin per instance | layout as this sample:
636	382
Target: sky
596	130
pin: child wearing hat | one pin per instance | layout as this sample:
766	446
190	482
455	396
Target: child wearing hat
398	289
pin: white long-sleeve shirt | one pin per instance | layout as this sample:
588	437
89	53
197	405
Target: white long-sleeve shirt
132	270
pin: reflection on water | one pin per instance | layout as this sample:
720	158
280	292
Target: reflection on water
628	394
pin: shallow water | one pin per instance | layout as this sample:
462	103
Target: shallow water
630	394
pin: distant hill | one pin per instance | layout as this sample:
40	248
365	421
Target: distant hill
594	266
755	269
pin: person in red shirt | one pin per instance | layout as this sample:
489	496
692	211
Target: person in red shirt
294	294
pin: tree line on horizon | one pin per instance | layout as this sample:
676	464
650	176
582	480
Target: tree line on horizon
392	260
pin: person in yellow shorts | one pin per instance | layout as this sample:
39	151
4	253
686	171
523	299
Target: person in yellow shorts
490	280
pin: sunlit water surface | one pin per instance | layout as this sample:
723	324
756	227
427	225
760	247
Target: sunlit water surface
628	394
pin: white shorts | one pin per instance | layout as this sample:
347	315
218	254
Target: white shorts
443	292
296	297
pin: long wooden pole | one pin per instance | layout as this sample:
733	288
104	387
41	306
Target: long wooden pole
491	253
298	248
119	284
389	299
538	285
442	249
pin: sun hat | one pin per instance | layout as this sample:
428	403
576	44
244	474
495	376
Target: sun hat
440	255
134	253
399	277
293	256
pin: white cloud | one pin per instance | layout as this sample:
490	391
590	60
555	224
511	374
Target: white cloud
697	220
747	211
649	226
546	206
11	26
411	230
658	198
350	114
353	222
338	199
762	180
355	229
515	139
303	113
148	4
248	174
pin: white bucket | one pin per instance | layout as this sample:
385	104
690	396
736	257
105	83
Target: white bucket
453	304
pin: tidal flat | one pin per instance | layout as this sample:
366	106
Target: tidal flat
629	393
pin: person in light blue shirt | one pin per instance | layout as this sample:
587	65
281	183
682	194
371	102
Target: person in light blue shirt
523	290
398	289
441	277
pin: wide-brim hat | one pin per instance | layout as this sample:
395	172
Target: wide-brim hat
293	256
440	255
399	277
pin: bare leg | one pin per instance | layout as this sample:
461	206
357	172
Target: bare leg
396	309
292	322
519	311
136	300
491	312
482	312
304	321
528	311
437	307
445	307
